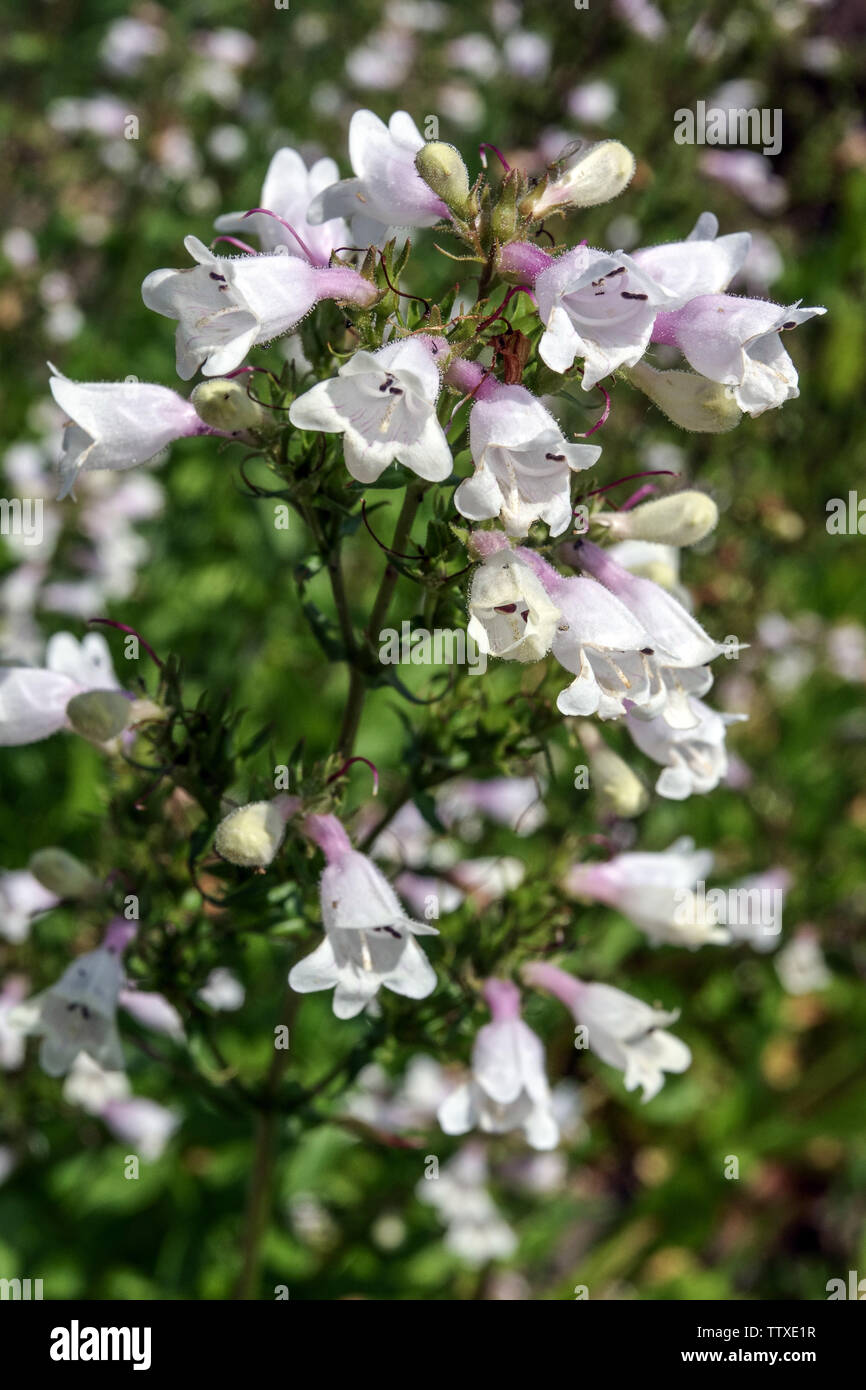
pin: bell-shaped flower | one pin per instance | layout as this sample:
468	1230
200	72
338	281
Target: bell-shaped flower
508	1087
737	343
384	405
225	305
511	614
694	760
33	700
78	1012
606	649
369	940
523	463
680	645
598	306
623	1031
118	424
656	892
387	190
704	263
288	190
22	897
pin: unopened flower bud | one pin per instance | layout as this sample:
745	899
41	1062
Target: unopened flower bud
62	873
99	715
442	169
251	835
505	217
690	401
684	518
594	175
225	405
619	789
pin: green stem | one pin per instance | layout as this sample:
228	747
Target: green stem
264	1159
357	695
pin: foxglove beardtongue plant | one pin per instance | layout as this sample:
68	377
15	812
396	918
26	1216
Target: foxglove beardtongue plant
451	400
623	1031
508	1088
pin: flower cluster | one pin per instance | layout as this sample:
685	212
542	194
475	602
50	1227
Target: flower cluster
479	417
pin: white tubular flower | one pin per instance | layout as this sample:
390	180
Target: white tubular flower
91	1087
508	1088
384	405
736	342
598	306
623	1031
117	424
800	964
225	305
387	190
704	263
680	645
369	940
33	700
77	1014
476	1231
22	897
511	614
523	463
695	760
143	1124
657	893
606	649
288	190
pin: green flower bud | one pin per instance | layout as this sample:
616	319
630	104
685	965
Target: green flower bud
224	405
506	219
442	169
251	835
684	518
593	175
619	790
62	873
690	401
99	715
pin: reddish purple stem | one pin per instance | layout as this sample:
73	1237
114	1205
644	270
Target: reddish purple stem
122	627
